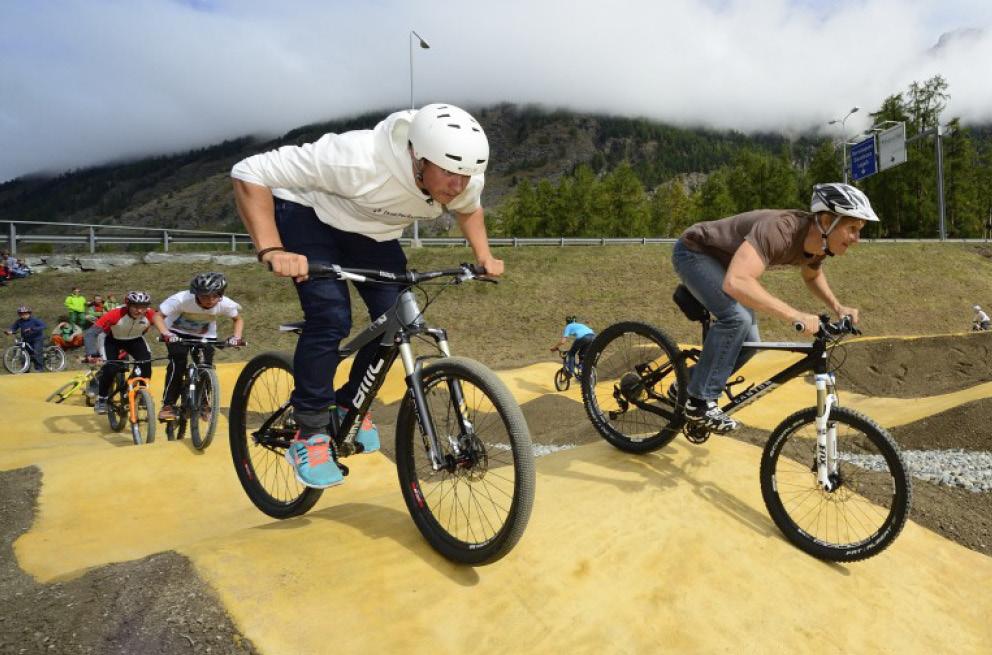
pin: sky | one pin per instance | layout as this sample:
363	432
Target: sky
89	82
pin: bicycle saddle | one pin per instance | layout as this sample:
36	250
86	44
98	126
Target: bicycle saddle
296	327
690	306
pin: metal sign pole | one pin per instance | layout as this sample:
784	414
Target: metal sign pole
939	138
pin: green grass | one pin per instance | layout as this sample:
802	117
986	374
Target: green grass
905	288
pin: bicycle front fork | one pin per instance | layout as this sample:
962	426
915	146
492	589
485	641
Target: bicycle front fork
826	432
427	426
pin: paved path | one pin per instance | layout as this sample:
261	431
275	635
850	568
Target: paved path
624	554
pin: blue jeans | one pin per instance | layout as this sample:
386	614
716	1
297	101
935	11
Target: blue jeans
327	306
37	351
578	348
722	353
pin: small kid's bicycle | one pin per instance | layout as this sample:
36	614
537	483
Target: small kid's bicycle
832	479
130	403
198	406
463	451
17	358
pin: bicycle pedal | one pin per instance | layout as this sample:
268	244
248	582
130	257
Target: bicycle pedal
695	434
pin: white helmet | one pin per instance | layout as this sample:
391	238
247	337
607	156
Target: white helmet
450	138
843	200
977	308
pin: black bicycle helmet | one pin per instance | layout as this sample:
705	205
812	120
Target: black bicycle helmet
208	284
570	319
137	298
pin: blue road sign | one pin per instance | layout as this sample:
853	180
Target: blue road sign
863	159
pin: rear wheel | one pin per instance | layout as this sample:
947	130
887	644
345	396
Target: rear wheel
626	374
205	409
117	409
865	511
54	359
176	428
16	360
143	428
475	508
261	396
562	381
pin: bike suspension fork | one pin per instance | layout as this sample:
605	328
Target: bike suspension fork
826	432
415	384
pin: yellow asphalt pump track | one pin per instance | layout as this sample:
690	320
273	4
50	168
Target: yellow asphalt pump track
667	552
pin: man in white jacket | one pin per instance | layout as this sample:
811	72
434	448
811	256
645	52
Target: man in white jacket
345	200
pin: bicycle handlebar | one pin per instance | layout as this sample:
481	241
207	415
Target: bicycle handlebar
216	343
463	272
828	328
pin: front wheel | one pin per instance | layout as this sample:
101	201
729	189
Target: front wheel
865	511
54	359
627	373
474	507
16	360
143	426
562	380
261	427
204	409
63	392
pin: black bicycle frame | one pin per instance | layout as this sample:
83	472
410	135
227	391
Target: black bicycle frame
394	330
815	361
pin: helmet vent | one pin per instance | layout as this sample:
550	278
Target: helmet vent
450	156
444	115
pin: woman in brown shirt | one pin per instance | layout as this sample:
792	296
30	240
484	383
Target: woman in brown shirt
721	263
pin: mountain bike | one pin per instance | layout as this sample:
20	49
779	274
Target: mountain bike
563	378
130	403
199	403
83	383
833	480
17	358
463	450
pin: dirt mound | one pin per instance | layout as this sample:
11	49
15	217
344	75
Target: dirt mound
968	426
557	421
928	366
156	606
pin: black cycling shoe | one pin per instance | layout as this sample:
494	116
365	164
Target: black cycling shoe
707	414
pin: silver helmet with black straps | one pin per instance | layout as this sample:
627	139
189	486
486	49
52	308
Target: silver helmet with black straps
208	284
842	200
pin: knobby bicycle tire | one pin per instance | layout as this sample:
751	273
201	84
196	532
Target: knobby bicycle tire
143	401
497	489
788	486
613	356
117	409
265	475
207	391
176	428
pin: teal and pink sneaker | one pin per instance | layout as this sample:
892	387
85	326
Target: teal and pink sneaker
312	462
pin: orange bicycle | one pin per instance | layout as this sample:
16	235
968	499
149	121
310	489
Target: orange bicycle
129	401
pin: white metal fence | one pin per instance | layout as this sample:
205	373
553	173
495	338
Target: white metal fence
90	236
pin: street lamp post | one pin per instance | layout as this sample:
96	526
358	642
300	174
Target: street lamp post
425	46
843	138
